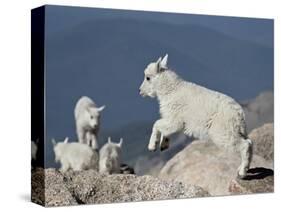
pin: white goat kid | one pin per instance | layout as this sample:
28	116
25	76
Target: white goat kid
34	149
110	157
87	117
75	156
196	111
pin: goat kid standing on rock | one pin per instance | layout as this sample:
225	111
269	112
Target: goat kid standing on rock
196	111
110	157
75	156
87	117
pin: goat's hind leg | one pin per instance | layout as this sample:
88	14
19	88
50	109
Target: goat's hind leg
246	152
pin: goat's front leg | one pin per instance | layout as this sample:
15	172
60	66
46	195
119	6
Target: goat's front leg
94	141
64	166
154	138
81	134
161	130
91	140
164	143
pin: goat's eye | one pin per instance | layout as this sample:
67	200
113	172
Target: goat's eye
92	117
147	78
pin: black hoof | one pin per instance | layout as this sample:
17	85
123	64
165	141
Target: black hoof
163	148
165	144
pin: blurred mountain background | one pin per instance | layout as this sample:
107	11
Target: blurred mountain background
102	54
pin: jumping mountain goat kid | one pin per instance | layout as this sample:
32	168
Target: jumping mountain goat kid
75	156
87	117
196	111
110	157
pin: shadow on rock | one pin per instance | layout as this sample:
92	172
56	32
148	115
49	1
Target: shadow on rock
258	173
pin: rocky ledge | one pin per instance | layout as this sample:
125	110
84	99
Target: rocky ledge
259	180
204	164
50	187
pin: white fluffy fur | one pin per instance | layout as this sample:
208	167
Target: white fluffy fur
34	149
196	111
87	117
110	157
75	156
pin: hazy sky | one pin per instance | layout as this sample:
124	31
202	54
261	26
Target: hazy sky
61	18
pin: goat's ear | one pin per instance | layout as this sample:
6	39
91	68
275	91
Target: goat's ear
164	62
101	108
66	140
120	142
159	60
109	140
158	64
54	141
